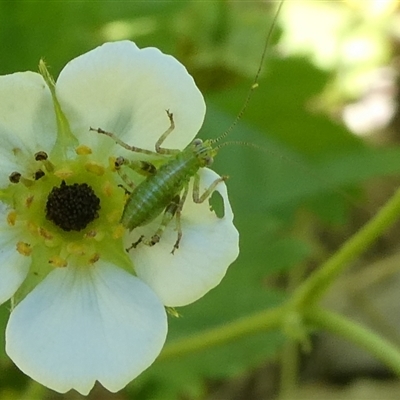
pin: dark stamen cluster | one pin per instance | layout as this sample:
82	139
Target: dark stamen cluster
72	207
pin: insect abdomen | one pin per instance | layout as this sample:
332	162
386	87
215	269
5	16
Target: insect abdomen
156	192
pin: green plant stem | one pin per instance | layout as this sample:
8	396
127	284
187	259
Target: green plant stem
261	322
374	344
269	320
316	285
289	368
290	357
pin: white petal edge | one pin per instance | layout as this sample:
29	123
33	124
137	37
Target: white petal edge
209	245
27	122
14	267
126	90
86	324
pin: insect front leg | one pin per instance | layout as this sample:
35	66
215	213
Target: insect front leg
122	143
208	191
160	141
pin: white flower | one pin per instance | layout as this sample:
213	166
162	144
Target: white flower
87	310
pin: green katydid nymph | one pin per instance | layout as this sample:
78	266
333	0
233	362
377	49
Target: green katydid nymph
167	187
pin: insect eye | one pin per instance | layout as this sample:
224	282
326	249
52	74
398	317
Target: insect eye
209	160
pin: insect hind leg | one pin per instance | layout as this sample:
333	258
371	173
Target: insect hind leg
178	227
172	210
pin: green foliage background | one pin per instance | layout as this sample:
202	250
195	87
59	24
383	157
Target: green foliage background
281	195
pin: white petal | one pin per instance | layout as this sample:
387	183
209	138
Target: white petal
126	90
14	267
209	245
86	324
27	121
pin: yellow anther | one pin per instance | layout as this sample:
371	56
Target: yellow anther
24	248
118	232
90	234
45	234
16	151
94	258
95	168
64	173
111	163
32	228
76	248
114	216
57	261
11	218
83	150
28	201
108	189
96	235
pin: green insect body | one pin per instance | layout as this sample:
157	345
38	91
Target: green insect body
166	188
158	190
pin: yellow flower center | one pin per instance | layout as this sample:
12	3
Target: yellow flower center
68	213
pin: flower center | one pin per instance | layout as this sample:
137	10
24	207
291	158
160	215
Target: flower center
66	211
72	207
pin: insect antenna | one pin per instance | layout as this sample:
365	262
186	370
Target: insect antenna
242	143
331	186
256	78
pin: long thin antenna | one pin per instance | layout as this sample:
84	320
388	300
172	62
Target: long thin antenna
255	82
